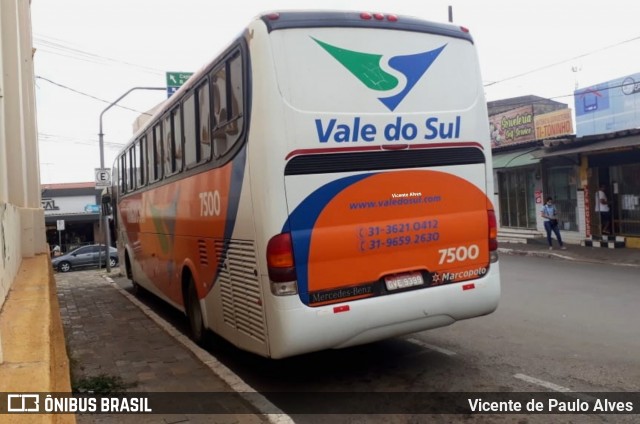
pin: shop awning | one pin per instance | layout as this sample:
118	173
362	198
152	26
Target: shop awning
78	217
515	159
613	143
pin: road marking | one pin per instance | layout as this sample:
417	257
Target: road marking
545	384
431	347
554	387
218	368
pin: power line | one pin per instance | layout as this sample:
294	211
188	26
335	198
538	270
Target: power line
89	95
562	61
56	138
55	46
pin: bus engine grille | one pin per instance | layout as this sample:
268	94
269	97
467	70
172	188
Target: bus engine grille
241	296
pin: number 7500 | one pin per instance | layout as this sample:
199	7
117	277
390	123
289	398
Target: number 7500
458	254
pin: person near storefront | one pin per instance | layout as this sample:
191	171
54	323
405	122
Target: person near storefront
550	215
602	208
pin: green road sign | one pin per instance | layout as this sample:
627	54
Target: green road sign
176	79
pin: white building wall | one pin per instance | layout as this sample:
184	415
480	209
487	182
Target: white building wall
22	229
581	216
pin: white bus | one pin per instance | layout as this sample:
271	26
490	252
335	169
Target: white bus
323	183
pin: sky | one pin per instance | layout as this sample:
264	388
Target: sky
91	52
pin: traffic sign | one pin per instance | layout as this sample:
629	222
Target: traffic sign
60	224
103	177
171	90
176	79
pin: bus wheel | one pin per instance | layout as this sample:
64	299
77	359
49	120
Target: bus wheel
137	289
194	313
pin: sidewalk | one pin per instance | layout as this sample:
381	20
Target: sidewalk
111	340
621	256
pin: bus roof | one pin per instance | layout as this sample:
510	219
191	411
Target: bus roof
298	19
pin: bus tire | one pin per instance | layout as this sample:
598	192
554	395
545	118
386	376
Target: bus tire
127	266
136	288
197	331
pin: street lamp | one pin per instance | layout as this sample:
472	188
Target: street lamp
104	218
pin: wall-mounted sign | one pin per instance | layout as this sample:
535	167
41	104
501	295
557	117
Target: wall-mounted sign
512	127
609	106
49	205
553	124
92	208
69	205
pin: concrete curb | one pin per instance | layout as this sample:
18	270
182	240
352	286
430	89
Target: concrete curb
259	402
542	254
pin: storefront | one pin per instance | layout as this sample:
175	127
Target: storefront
607	120
619	172
517	180
561	177
72	214
530	166
581	167
518	127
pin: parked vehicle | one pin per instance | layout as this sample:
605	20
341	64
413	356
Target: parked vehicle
85	256
325	182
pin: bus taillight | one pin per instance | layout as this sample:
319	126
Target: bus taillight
493	235
282	270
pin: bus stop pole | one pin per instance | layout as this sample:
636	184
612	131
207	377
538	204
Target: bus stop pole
104	219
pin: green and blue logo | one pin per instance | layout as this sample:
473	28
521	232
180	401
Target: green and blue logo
366	67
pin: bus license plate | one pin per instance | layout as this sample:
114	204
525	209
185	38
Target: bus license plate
403	281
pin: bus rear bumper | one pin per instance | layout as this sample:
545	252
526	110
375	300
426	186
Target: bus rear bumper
296	329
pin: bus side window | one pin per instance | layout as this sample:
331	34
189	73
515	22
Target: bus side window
178	142
191	144
204	113
157	152
131	168
219	95
227	93
167	145
236	98
141	156
150	162
122	174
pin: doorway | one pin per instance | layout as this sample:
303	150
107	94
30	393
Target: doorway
562	186
517	198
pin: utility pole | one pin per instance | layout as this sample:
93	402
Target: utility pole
575	70
105	219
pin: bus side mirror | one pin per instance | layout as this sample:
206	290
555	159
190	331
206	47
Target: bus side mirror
106	204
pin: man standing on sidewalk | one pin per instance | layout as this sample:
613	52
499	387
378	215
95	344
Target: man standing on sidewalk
602	208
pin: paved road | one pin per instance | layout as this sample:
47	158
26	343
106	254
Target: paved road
561	325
